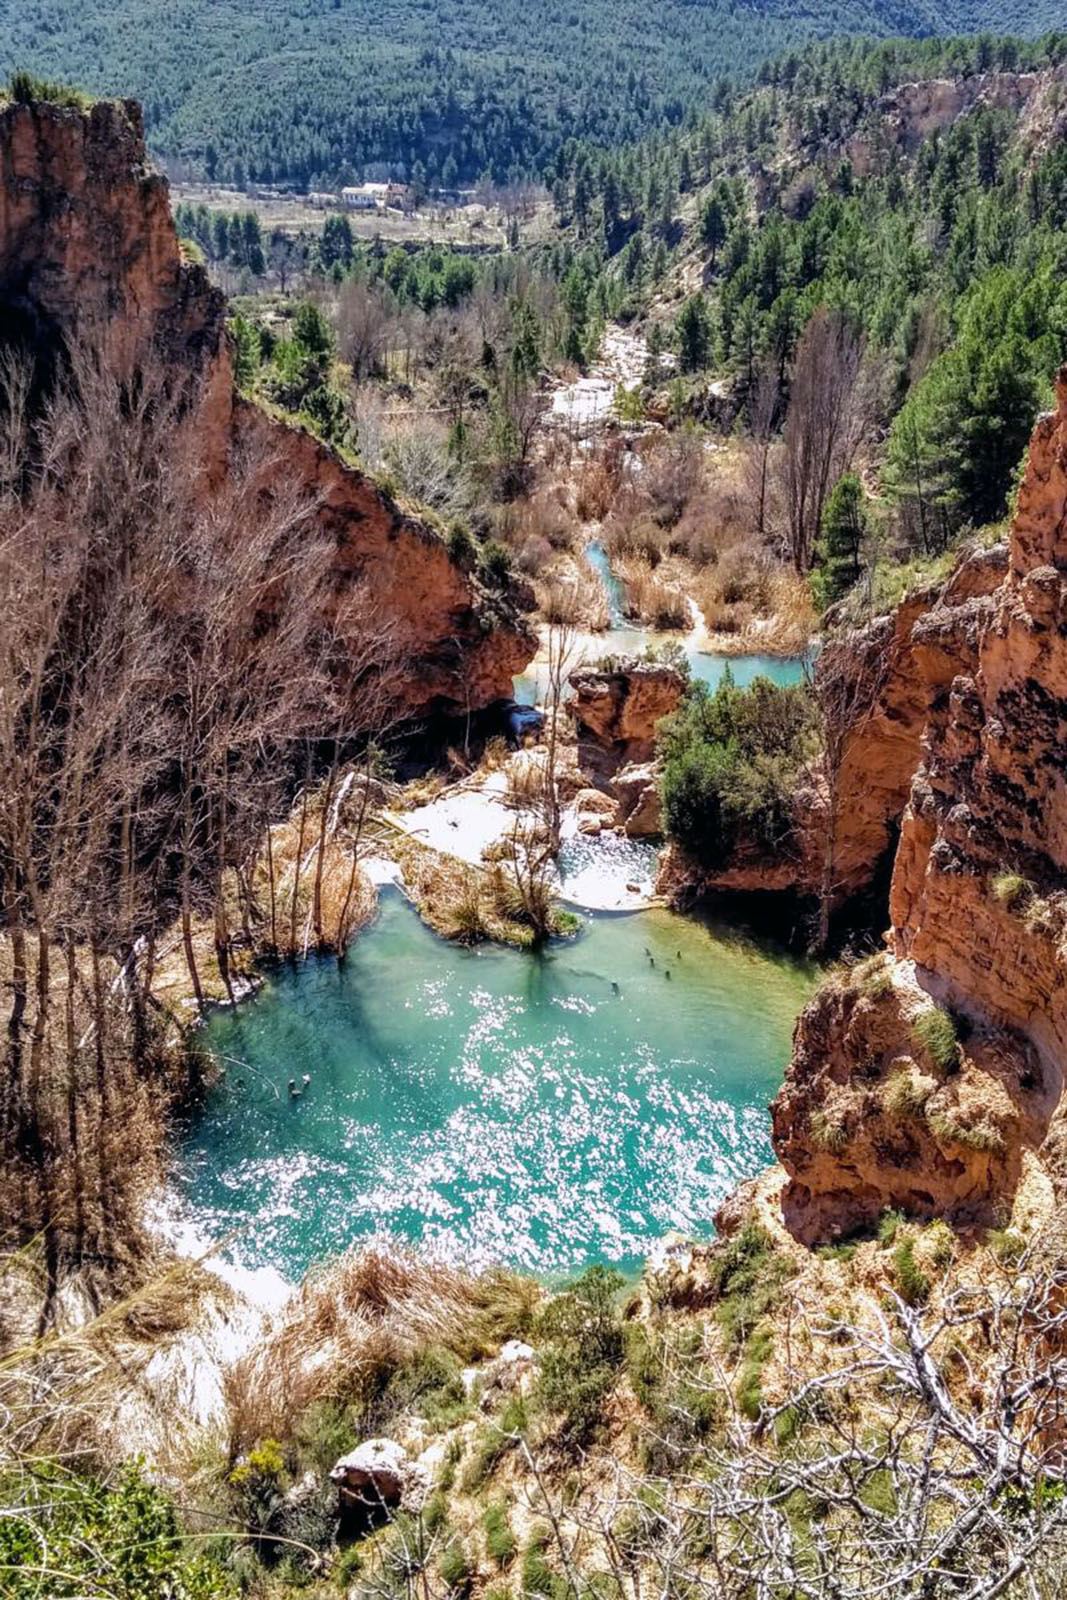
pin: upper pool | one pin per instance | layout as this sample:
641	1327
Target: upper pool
546	1111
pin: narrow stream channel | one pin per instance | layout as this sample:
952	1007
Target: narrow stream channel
625	639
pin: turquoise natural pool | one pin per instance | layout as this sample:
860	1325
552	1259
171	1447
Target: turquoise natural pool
491	1104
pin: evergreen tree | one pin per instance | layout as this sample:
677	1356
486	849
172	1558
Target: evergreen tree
693	330
844	524
713	226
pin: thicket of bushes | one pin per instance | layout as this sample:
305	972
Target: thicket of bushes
731	763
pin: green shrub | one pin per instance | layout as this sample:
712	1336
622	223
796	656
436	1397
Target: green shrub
453	1455
500	1542
873	977
844	1250
495	1443
432	1386
980	1136
191	252
121	1540
1011	889
256	1482
889	1225
934	1030
913	1285
537	1575
827	1132
495	564
673	1384
462	546
730	765
347	1567
747	1273
583	1350
24	89
454	1566
905	1095
1007	1245
941	1242
435	1512
749	1378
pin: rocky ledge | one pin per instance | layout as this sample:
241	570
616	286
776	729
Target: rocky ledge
933	1078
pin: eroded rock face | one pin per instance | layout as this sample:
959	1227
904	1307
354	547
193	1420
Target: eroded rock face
870	1117
640	808
978	910
622	707
910	112
88	247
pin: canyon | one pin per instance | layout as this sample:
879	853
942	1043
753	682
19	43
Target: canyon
882	1105
952	763
88	250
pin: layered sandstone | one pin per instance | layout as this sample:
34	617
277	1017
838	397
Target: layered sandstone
978	910
88	249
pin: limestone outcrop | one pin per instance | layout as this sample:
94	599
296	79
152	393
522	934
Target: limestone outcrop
978	913
377	1475
640	808
621	706
88	248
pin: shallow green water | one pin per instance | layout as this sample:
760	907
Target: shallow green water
491	1104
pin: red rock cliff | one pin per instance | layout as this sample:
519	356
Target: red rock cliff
88	246
927	1079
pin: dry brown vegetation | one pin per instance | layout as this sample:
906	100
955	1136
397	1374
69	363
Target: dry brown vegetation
651	597
688	523
174	650
368	1313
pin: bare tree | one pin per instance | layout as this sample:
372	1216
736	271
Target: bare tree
917	1454
366	323
561	649
823	425
763	417
165	639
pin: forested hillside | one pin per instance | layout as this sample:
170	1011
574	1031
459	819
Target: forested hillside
312	91
934	227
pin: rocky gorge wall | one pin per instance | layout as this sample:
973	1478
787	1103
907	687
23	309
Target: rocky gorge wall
932	1078
88	249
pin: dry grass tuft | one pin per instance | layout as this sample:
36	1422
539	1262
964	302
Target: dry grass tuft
356	1321
574	596
466	903
753	605
651	598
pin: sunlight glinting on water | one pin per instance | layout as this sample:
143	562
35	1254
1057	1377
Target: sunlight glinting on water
492	1105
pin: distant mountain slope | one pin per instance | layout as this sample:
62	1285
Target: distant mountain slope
314	90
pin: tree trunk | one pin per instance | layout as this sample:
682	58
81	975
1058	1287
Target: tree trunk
320	862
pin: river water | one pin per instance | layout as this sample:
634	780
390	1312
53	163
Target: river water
623	639
546	1110
491	1105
